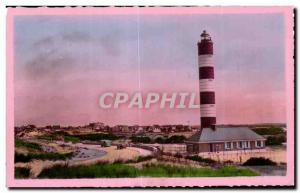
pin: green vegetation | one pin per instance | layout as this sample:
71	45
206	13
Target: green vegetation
41	156
21	172
78	138
160	140
63	133
118	170
72	139
22	143
48	137
269	130
276	135
201	159
259	161
144	158
96	136
135	139
276	140
172	139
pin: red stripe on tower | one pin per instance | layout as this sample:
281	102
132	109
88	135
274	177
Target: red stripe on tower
206	81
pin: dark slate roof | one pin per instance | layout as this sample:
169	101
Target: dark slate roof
225	134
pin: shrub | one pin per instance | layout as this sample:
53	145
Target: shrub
160	140
140	139
119	161
177	155
144	158
200	159
259	161
269	130
19	157
48	137
42	156
97	136
172	139
30	145
275	140
61	133
176	139
21	172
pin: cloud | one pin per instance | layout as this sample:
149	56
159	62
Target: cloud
109	43
51	64
75	36
54	55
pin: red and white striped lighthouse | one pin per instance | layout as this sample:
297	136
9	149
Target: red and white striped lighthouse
206	81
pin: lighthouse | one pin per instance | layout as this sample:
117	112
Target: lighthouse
206	81
209	137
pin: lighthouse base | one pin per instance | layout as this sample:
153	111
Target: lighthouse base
208	122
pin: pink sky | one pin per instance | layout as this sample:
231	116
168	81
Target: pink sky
60	73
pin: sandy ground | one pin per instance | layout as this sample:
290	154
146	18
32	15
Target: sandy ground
37	166
142	152
21	150
60	148
112	154
275	154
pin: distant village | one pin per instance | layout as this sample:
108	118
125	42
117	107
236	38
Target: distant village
117	129
126	129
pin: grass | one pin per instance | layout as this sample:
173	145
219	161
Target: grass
72	139
48	137
21	173
29	145
119	170
41	156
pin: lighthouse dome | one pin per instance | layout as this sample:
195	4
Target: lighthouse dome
205	46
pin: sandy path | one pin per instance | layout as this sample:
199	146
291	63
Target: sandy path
112	154
142	152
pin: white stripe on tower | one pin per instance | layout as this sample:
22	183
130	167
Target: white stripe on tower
205	60
206	81
207	85
208	110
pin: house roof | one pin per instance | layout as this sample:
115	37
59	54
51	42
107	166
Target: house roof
225	134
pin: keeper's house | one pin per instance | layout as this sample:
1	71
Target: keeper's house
224	139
